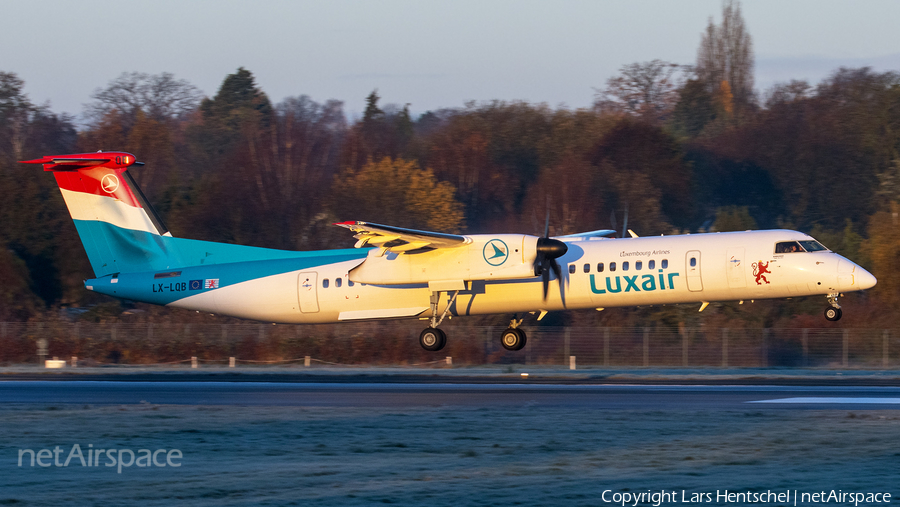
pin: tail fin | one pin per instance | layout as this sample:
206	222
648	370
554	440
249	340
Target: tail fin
119	229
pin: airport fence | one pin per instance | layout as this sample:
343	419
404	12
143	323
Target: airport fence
397	344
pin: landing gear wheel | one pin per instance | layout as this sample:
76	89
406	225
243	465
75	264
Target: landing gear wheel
513	339
833	314
432	339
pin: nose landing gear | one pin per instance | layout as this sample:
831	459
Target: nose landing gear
833	313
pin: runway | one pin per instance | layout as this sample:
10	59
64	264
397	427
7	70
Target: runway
409	395
352	443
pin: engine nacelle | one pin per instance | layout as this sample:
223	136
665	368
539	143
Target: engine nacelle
484	257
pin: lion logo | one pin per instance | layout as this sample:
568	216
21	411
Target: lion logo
759	271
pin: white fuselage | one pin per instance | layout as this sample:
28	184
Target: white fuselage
635	272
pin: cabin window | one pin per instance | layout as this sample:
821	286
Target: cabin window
625	266
587	268
638	265
571	268
665	263
324	283
612	266
337	282
812	246
651	265
349	283
693	262
600	267
787	247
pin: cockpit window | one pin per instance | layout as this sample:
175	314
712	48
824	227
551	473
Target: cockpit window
813	246
787	247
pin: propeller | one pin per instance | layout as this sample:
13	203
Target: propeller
612	220
548	250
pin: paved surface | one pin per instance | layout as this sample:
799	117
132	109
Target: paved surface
445	442
403	395
510	374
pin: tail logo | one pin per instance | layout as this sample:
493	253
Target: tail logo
109	183
495	252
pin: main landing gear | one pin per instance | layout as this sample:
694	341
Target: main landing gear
513	338
433	339
833	312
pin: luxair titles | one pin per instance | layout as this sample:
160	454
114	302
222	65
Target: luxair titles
636	283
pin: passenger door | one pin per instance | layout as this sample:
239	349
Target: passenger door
307	284
692	263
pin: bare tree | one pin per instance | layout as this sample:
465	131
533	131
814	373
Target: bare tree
285	168
15	112
305	146
725	59
648	90
159	96
783	93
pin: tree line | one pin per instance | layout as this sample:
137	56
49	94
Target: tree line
669	148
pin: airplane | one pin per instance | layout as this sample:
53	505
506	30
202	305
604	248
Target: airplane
397	273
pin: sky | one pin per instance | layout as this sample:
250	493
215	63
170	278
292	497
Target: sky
429	54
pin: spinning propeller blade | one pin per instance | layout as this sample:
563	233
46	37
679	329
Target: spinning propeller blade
548	250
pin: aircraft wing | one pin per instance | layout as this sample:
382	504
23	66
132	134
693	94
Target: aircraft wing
398	239
583	235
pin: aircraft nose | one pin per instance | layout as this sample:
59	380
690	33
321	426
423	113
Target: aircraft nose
864	279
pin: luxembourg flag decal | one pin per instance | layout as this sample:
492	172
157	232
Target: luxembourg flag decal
211	283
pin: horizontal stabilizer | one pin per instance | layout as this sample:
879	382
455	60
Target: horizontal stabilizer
113	159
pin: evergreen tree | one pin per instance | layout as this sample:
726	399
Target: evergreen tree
373	115
694	110
239	106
